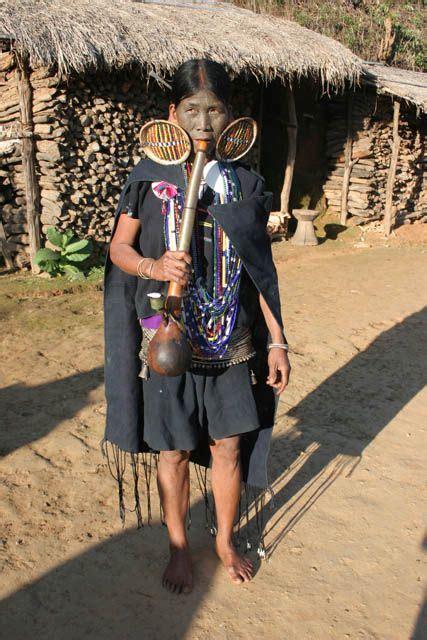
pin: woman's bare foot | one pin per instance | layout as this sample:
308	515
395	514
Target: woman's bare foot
178	575
240	569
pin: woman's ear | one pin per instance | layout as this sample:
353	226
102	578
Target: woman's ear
172	113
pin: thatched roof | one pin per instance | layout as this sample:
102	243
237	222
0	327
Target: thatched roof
409	85
79	34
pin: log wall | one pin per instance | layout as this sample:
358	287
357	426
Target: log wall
86	136
371	129
12	197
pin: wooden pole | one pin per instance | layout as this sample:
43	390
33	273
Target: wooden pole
32	194
292	130
260	119
4	248
388	212
347	161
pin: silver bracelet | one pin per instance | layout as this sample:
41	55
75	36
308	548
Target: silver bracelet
278	345
140	268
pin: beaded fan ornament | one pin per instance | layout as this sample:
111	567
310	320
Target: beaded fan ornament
236	140
165	142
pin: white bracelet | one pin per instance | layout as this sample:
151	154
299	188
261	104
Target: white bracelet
278	345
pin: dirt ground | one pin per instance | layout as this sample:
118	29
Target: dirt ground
345	534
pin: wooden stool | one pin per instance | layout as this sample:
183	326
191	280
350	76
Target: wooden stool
305	233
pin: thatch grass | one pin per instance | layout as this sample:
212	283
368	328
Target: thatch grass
409	85
82	34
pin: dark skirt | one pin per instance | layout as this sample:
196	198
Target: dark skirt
181	412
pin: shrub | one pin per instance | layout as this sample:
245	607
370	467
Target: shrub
67	259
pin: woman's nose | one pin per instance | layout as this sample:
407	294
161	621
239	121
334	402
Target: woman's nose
204	123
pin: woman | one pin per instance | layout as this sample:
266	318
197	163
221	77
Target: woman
215	404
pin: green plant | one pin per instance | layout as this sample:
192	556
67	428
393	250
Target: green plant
68	258
359	25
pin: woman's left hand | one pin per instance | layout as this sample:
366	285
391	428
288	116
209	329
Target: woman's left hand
279	369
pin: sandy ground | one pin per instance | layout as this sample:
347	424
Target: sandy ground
345	535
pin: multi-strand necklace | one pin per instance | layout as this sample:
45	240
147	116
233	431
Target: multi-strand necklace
209	313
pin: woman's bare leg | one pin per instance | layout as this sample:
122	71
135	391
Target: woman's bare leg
226	479
174	485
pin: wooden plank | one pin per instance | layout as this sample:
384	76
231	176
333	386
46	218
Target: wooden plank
32	194
388	211
292	130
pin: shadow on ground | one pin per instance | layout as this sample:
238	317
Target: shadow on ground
31	412
111	592
343	415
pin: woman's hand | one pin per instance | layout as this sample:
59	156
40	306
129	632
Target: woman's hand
173	266
279	369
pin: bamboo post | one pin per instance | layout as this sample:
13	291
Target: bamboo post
388	212
347	161
292	129
32	194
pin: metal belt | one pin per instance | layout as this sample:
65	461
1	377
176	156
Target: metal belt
239	350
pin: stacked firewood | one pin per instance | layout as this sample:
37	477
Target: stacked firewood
360	187
12	197
86	142
370	132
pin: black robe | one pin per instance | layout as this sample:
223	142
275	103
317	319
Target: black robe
245	224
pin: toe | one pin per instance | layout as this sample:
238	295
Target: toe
187	588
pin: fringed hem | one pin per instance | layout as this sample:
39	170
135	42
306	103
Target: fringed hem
251	505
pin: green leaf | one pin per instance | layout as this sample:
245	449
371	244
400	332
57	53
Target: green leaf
54	236
77	257
67	236
73	247
50	267
46	255
73	272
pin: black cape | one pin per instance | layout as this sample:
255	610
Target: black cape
245	224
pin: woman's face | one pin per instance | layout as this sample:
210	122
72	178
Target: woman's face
202	115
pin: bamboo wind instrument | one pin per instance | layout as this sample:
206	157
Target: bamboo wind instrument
169	352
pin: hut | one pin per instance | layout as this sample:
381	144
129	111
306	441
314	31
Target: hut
77	81
375	149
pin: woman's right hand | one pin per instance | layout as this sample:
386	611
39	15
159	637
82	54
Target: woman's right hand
173	266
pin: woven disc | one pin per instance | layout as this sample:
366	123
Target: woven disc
236	140
165	142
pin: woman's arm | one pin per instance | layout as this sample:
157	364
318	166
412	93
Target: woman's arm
279	367
172	266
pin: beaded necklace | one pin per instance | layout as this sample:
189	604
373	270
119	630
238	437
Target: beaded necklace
209	316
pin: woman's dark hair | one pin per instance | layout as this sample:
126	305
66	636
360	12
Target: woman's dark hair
194	75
